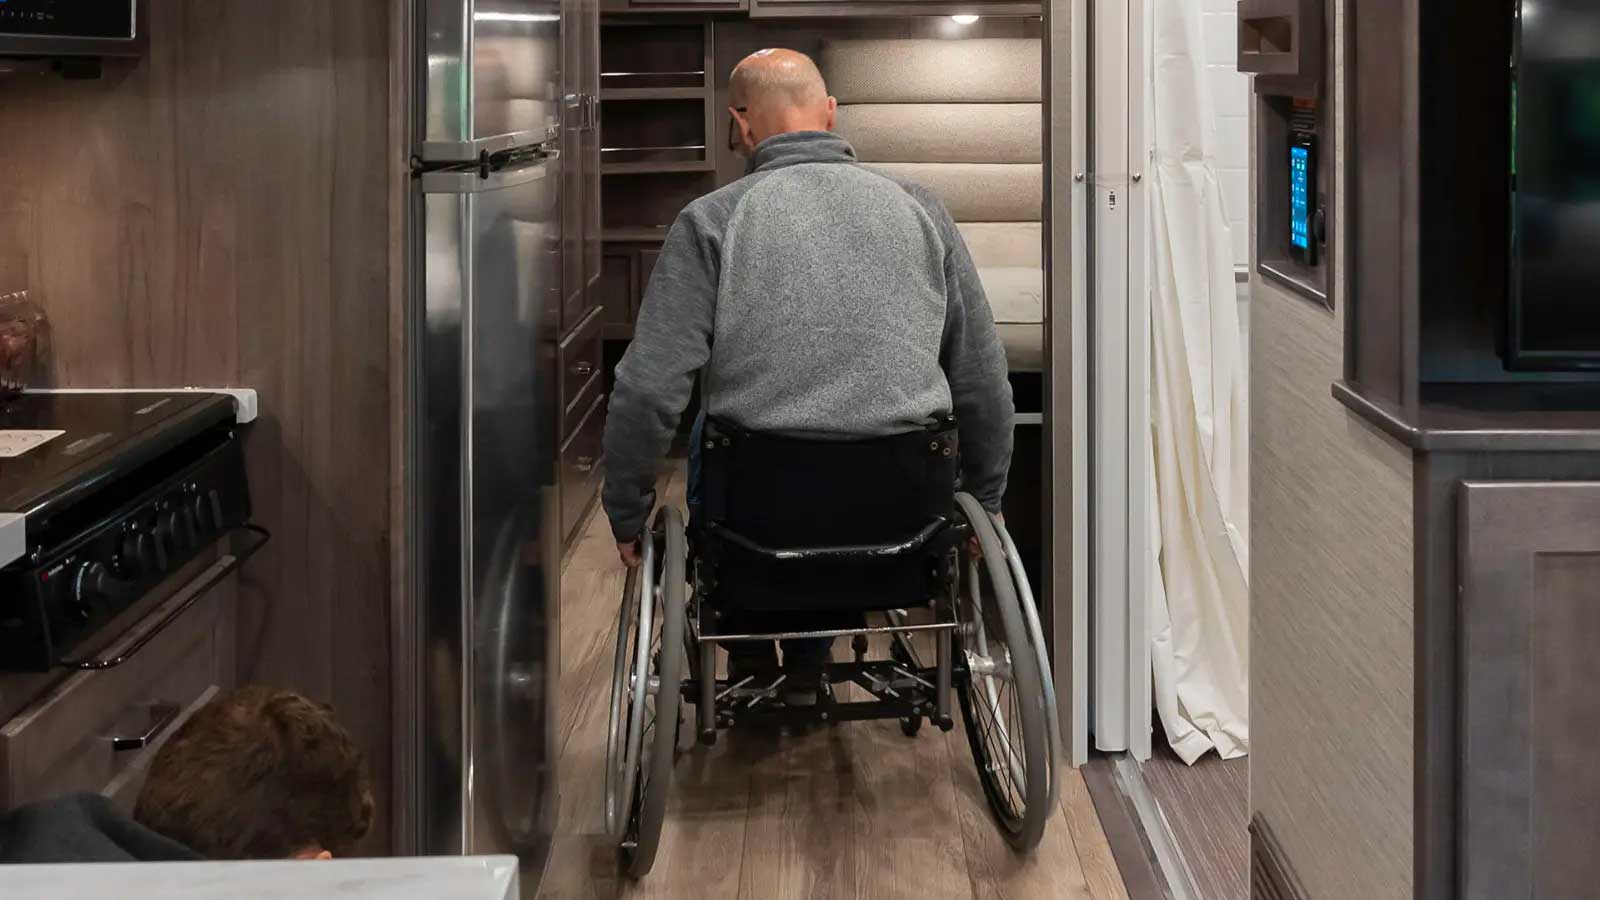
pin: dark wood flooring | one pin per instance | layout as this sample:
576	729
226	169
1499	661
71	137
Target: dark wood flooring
1207	806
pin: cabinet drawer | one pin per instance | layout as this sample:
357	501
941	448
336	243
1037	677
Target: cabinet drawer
63	742
581	359
580	467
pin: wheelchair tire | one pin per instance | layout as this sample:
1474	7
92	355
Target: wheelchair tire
998	708
619	765
654	780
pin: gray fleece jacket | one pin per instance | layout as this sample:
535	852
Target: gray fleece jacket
817	299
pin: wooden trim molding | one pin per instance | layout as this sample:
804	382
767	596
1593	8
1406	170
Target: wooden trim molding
1270	875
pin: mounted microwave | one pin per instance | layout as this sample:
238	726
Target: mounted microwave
71	28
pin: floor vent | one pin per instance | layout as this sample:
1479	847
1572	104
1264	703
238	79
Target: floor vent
1270	876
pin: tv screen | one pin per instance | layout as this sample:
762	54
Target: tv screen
1555	291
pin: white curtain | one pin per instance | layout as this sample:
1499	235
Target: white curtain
1200	601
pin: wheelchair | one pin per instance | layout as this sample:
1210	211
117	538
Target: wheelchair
825	540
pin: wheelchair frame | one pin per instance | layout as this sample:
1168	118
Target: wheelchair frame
983	642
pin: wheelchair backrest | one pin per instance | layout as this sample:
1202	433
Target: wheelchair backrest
785	492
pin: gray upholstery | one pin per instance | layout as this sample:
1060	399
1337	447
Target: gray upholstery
1016	295
963	119
978	192
1004	244
1024	346
944	132
972	70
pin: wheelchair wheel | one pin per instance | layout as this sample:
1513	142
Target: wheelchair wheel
1000	686
647	677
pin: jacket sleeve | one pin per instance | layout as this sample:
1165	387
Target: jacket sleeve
975	365
671	343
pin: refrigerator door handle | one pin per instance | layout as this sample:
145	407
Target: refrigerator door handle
473	181
473	150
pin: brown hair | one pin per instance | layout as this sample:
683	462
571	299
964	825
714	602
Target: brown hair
259	774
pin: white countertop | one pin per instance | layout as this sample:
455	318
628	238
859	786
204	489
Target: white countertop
435	878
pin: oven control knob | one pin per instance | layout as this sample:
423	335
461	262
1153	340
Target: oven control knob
91	584
138	554
205	524
175	531
169	540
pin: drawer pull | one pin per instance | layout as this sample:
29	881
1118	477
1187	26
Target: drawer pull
197	589
160	715
584	464
583	369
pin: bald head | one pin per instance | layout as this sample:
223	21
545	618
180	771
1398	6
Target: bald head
776	92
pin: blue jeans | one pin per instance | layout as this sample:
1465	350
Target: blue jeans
692	489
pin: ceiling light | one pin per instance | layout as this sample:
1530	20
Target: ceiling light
964	19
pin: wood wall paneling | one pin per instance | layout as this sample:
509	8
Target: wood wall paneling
221	212
1377	211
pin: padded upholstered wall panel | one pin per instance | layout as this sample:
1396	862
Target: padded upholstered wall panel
1004	244
1024	346
978	192
979	70
944	132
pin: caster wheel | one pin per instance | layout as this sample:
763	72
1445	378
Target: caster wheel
910	725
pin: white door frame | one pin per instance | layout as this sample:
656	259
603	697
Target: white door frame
1066	476
1119	377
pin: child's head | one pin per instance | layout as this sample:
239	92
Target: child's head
260	774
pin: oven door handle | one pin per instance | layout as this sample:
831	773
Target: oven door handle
197	589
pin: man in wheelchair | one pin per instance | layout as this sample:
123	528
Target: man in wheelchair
852	381
818	300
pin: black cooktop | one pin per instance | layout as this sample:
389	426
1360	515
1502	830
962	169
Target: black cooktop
106	436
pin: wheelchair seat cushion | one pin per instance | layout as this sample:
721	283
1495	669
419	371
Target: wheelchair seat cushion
789	494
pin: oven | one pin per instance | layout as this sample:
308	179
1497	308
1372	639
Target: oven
117	613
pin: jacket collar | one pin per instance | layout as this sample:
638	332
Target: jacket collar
798	147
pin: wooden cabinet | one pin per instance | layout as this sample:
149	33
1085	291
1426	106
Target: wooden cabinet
581	469
580	385
580	379
581	213
1529	621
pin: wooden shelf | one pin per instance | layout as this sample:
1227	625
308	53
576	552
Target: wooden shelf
655	93
655	168
634	235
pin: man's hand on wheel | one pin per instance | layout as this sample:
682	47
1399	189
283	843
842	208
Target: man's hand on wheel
975	548
632	554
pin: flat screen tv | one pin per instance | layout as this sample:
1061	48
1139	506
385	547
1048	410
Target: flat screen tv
1554	309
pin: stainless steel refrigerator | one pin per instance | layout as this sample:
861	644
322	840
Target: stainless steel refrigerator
476	761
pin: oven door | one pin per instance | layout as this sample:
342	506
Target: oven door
98	730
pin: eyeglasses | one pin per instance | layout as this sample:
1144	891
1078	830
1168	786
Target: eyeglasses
733	126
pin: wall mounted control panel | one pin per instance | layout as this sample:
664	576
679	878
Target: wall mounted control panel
1282	43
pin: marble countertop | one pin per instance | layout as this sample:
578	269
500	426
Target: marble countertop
436	878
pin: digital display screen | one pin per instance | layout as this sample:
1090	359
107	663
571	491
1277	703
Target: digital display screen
103	19
1300	196
1554	313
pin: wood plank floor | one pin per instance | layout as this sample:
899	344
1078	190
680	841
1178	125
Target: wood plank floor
850	812
1207	807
